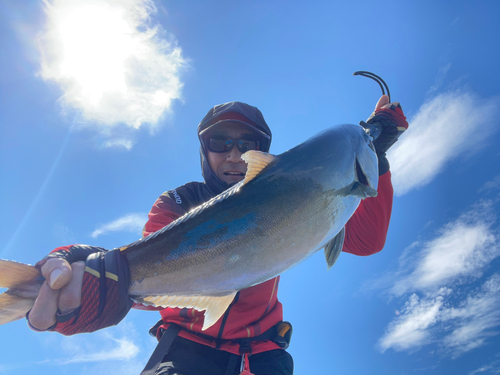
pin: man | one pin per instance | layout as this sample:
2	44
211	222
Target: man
75	299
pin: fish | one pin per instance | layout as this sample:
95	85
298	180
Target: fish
287	207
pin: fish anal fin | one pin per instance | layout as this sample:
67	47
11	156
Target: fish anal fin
334	247
257	161
214	306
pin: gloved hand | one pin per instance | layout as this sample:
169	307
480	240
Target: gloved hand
81	297
391	118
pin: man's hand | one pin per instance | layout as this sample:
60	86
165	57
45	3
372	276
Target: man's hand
391	118
61	292
86	289
383	102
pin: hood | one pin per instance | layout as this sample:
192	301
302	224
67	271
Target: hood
234	112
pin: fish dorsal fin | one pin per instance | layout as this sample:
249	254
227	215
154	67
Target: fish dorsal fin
257	161
195	211
334	247
214	306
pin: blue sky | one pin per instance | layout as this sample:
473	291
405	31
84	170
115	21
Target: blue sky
99	104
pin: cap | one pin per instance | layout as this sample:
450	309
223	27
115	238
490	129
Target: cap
237	112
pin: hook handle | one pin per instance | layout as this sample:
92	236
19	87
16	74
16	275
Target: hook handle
377	79
374	130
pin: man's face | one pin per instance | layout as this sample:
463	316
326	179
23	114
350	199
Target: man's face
228	166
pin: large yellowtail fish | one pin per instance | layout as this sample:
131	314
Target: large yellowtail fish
287	207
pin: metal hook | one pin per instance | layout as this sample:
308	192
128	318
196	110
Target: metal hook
374	129
377	79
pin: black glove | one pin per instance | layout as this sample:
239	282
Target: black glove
393	123
105	300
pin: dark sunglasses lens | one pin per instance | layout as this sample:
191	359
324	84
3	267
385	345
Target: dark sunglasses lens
219	145
245	146
225	144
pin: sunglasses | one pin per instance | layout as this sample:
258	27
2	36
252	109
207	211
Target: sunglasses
225	144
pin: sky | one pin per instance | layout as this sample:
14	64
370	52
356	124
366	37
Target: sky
99	104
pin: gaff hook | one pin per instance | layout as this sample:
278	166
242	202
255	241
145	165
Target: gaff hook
376	78
374	129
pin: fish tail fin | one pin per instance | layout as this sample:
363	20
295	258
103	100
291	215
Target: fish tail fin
23	283
13	307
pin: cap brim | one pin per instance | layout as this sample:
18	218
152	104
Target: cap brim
253	128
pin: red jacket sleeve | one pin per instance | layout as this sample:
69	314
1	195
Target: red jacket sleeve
366	230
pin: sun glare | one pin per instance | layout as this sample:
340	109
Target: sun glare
111	63
96	43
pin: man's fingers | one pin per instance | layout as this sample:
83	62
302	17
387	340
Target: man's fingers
57	272
384	99
43	313
389	105
70	296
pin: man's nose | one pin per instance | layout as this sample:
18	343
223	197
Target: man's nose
234	155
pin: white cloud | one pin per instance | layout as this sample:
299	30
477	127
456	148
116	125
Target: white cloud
410	329
442	307
109	351
491	185
440	77
460	328
126	143
462	249
112	66
130	223
122	349
445	127
475	318
492	368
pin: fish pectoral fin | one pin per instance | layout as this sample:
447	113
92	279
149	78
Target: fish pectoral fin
214	306
362	191
257	161
334	247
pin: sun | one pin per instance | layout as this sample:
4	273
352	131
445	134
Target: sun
96	42
112	60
